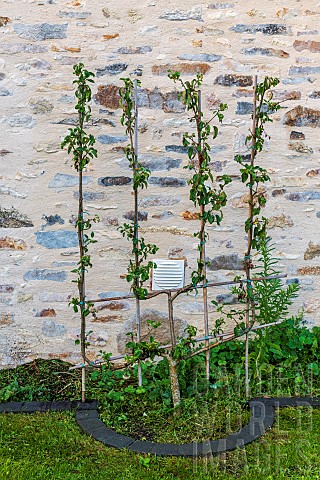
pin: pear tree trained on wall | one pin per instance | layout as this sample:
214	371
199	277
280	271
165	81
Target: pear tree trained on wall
210	197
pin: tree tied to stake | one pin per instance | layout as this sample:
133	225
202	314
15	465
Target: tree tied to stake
204	193
253	175
81	146
138	270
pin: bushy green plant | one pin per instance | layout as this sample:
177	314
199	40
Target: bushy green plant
272	298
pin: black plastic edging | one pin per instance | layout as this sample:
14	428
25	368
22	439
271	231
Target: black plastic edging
87	416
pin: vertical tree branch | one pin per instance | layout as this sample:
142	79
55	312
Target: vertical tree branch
173	373
247	259
138	272
136	221
81	146
203	243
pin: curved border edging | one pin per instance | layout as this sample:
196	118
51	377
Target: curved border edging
87	416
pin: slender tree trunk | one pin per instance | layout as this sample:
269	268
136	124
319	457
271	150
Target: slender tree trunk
247	262
174	379
81	288
205	293
82	278
136	222
203	255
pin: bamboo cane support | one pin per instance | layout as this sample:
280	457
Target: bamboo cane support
203	252
247	263
82	279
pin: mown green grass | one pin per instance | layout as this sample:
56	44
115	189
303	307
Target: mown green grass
51	446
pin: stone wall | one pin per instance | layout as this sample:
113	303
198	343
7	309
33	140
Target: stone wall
40	40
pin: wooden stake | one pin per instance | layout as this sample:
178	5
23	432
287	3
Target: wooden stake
203	259
247	262
83	384
82	277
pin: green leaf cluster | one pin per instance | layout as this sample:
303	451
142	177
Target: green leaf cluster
78	142
205	192
138	269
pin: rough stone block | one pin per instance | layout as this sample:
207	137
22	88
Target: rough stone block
11	218
161	334
200	57
230	80
310	45
176	149
63	180
15	48
4	92
226	298
12	243
309	270
52	329
302	117
114	181
159	200
73	14
142	216
46	275
42	107
113	69
312	251
265	29
6	288
226	262
134	50
110	139
46	312
314	94
297	135
268	52
154	162
303	70
183	68
57	239
21	120
303	196
41	31
182	15
167	182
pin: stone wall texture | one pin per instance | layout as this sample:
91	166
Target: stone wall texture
40	40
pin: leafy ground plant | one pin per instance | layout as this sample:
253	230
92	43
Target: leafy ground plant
290	351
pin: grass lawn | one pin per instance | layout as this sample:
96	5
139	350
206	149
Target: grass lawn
51	446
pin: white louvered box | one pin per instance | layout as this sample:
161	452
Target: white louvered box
169	274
